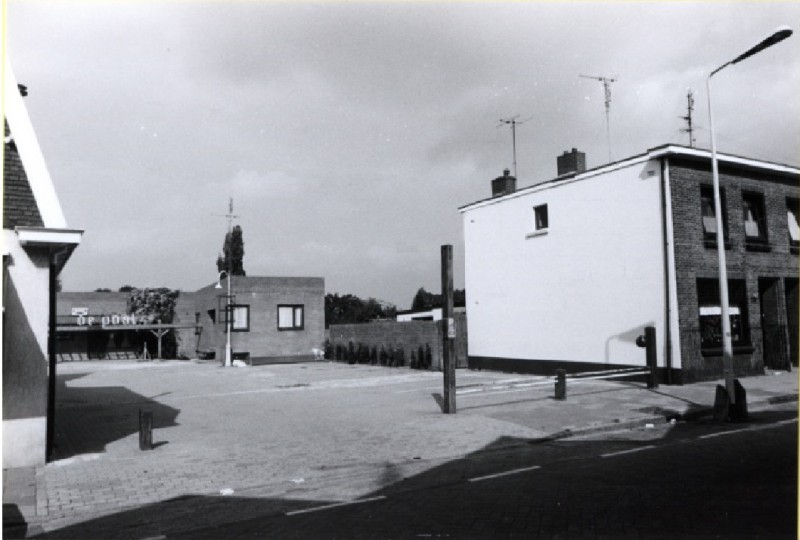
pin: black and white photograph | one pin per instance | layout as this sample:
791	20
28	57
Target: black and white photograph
400	269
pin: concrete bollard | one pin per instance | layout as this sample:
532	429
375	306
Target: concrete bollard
738	410
145	430
561	384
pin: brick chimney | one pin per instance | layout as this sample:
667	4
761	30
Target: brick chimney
570	162
503	185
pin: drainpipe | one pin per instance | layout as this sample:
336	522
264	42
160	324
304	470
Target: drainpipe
667	315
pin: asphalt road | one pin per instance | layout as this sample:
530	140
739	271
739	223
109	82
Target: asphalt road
692	480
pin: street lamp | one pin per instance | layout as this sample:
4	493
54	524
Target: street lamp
228	317
727	347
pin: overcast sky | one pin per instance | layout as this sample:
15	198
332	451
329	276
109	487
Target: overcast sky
348	134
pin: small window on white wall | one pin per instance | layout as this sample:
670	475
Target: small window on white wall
290	317
540	222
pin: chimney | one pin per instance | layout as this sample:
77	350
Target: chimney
570	162
503	185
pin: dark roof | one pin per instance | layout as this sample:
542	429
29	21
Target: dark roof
19	204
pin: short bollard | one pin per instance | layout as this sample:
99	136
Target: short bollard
648	342
145	430
561	384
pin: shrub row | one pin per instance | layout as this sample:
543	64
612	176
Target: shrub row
393	356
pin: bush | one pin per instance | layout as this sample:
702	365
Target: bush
383	357
351	353
328	350
400	357
428	358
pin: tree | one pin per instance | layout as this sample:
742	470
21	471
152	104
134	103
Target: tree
232	253
102	289
126	288
159	306
350	309
426	301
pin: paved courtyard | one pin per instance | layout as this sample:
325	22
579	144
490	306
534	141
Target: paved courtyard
296	435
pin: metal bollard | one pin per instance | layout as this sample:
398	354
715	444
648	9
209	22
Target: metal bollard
561	384
648	341
145	430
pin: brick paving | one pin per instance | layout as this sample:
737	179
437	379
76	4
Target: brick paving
289	436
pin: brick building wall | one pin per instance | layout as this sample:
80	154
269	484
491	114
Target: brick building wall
264	342
695	258
408	335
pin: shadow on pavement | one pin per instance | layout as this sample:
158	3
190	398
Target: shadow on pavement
736	485
89	418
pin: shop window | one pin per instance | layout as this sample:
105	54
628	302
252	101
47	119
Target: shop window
710	313
792	210
755	220
290	317
709	215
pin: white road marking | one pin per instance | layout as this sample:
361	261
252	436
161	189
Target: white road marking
335	505
631	451
751	428
506	473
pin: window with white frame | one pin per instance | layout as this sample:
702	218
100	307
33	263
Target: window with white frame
290	317
755	217
709	214
792	207
540	220
241	318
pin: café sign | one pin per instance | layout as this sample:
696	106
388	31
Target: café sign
115	320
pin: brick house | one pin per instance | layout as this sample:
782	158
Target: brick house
275	319
567	273
36	246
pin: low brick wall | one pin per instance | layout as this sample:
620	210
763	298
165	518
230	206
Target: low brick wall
409	336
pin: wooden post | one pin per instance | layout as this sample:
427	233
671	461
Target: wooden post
561	384
448	332
651	356
145	430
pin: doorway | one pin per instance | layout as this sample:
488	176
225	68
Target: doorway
790	285
773	332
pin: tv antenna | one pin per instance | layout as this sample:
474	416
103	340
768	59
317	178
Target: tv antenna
689	108
513	123
607	89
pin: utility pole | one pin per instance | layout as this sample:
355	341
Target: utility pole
513	123
688	118
448	332
607	90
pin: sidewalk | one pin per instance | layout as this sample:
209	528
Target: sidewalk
285	433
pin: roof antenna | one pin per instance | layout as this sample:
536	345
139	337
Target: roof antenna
607	88
513	123
689	108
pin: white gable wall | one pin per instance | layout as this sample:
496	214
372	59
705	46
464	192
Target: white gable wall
581	292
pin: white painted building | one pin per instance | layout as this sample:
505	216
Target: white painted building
568	273
36	245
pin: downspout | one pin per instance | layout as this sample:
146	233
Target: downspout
665	231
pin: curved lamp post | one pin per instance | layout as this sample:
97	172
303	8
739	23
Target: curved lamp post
727	347
228	316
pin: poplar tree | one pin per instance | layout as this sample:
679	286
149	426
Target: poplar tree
233	253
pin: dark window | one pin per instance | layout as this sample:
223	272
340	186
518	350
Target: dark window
708	213
290	317
540	217
197	329
212	314
792	215
710	313
754	216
